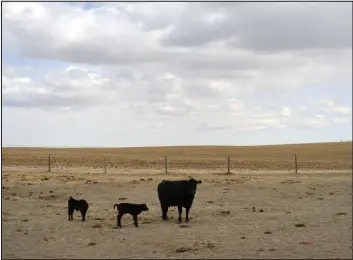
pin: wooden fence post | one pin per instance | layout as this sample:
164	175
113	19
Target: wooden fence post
228	164
296	163
166	163
49	163
105	165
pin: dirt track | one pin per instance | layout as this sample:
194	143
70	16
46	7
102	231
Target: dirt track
35	221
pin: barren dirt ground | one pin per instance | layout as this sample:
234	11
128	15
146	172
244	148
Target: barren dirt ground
223	224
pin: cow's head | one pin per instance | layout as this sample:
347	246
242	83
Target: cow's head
192	185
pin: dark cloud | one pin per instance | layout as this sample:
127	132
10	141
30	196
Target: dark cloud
263	27
268	26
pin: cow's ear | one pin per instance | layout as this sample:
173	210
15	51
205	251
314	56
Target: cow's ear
198	182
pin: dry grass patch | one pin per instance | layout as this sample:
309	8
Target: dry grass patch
97	226
315	156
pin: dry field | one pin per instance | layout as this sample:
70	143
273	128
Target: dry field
317	156
303	216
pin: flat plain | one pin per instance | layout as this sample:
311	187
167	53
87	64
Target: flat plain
262	209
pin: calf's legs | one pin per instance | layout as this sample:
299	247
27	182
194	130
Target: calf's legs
71	212
83	213
118	217
135	220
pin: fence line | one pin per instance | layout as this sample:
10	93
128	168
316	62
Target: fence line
104	163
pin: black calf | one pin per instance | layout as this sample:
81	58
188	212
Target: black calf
78	205
132	209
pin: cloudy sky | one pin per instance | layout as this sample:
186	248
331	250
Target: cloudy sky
141	74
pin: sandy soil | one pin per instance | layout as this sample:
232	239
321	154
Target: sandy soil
223	225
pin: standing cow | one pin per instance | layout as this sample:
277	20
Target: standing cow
177	193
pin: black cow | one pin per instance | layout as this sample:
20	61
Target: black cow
177	193
78	205
129	208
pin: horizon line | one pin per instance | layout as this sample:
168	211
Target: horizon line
164	146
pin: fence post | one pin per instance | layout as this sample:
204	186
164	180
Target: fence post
49	163
105	165
166	163
228	164
296	163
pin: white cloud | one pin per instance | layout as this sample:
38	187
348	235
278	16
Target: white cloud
226	67
72	87
286	111
342	120
318	121
344	110
164	97
330	107
324	103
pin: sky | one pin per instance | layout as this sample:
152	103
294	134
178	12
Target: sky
160	74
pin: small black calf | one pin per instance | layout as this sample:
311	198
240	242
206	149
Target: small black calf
132	209
78	205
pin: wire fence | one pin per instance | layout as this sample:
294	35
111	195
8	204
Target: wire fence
110	163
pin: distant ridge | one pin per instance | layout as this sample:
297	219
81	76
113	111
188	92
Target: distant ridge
173	146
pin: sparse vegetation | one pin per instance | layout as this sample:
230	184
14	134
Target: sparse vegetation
97	226
300	225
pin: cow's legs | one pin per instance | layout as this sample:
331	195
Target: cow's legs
187	214
164	212
180	211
